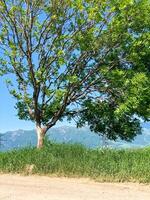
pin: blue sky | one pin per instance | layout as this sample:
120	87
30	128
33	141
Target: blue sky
8	115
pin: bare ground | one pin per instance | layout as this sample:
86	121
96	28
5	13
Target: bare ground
15	187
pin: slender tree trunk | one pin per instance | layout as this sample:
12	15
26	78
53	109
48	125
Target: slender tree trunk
40	136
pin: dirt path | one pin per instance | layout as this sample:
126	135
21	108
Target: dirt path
15	187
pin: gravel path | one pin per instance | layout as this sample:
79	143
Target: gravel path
15	187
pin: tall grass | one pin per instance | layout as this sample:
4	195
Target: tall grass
78	161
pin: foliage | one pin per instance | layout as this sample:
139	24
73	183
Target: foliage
124	93
136	97
65	53
116	112
102	119
77	161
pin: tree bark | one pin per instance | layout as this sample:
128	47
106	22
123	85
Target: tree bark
40	136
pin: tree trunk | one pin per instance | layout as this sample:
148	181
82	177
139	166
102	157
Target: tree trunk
40	136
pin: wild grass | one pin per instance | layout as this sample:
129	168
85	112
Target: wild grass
77	161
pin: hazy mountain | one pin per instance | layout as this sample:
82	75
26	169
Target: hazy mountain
69	134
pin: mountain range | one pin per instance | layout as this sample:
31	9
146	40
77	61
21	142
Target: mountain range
70	134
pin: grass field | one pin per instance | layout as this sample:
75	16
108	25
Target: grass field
77	161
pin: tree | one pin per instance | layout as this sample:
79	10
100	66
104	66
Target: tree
125	94
117	111
109	115
59	52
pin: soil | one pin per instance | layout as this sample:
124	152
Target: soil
17	187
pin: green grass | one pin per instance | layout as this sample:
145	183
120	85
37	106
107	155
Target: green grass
78	161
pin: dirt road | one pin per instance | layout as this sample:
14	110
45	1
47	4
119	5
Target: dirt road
15	187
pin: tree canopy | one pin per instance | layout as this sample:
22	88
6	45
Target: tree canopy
62	54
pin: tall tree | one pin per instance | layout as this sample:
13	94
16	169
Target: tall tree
60	51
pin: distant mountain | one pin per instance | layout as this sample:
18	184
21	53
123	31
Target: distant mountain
69	134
